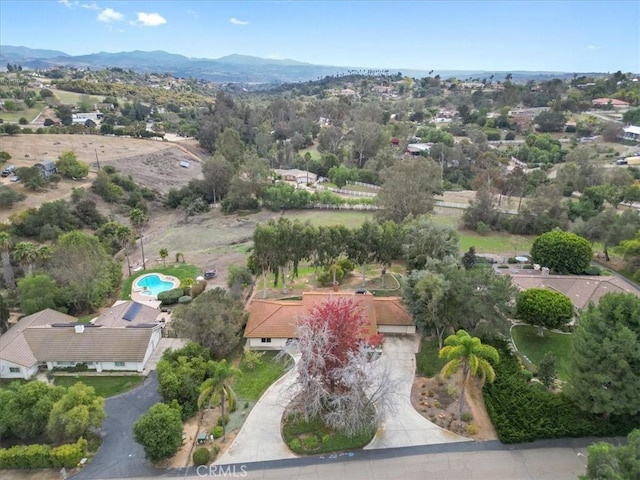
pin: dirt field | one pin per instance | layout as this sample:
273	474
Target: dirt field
151	163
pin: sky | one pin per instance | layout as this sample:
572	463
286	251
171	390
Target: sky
507	35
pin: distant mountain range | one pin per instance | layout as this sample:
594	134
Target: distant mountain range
229	69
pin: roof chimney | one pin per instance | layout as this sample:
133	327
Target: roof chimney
79	328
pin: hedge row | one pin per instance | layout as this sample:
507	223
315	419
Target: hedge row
524	412
43	456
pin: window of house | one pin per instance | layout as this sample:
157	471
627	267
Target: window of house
14	369
119	364
265	340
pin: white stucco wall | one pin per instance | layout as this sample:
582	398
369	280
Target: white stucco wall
25	372
258	344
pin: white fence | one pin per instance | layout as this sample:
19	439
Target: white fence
331	206
353	193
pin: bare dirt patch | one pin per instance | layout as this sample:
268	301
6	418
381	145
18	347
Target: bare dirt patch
152	163
437	401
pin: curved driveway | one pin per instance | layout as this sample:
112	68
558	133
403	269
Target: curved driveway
119	455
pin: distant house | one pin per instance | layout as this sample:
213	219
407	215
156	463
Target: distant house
417	148
46	168
610	102
81	118
272	323
631	133
395	141
121	339
297	176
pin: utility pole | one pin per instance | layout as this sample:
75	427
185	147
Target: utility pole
97	159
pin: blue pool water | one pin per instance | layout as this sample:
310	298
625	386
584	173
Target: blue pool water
154	285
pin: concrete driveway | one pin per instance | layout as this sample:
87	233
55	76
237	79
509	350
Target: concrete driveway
120	456
405	427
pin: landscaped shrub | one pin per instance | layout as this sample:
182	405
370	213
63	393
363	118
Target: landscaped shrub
225	420
503	266
523	412
184	299
201	456
170	296
217	431
311	442
512	260
69	455
467	416
593	270
295	445
527	267
78	367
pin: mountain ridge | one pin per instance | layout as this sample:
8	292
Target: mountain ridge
231	68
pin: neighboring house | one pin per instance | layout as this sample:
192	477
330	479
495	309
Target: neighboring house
81	118
417	148
46	168
121	339
582	290
631	133
297	176
272	323
610	102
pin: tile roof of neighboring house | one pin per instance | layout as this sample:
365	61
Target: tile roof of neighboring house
278	318
605	101
94	344
116	316
580	289
13	346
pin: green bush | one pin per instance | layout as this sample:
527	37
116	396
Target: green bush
201	456
503	266
527	267
523	412
295	445
512	260
482	228
593	270
527	374
69	455
311	442
325	439
78	367
170	296
26	456
217	431
221	420
184	299
467	416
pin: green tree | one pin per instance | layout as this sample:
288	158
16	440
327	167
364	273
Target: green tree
544	308
4	318
605	365
26	254
139	219
231	147
164	253
38	292
218	388
84	270
409	187
467	355
69	166
6	244
217	172
214	320
159	431
562	252
550	121
77	411
608	462
364	245
9	196
424	239
547	369
30	407
424	292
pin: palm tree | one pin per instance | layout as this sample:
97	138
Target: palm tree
217	388
138	220
469	354
5	247
26	253
44	253
123	234
164	253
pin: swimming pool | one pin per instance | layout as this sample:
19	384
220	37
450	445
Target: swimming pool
151	284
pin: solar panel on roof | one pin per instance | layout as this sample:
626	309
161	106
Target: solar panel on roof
132	311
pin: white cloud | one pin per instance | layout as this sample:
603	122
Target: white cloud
150	19
593	47
193	13
66	3
235	21
90	6
110	15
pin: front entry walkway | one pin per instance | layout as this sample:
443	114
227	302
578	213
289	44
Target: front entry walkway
405	427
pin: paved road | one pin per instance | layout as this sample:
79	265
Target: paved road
120	456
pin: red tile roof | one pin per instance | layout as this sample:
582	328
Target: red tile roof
278	318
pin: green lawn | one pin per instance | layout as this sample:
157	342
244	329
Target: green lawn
29	113
313	150
502	243
325	218
74	97
180	271
253	383
534	347
105	386
427	361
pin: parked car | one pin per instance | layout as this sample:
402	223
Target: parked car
15	178
8	171
621	161
209	274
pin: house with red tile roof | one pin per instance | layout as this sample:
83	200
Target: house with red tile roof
272	323
613	102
